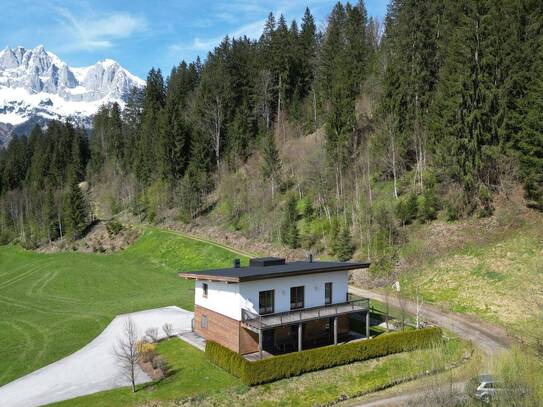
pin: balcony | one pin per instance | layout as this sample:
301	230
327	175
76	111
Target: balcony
256	322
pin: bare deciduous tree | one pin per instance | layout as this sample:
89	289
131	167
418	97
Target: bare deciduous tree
168	329
420	303
127	352
152	334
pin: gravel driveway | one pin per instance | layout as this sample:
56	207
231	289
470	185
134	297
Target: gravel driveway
489	338
92	368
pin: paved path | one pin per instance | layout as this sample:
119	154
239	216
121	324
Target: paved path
92	368
489	338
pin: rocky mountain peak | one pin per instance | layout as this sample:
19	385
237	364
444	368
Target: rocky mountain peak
31	77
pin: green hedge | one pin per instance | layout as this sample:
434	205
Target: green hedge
296	363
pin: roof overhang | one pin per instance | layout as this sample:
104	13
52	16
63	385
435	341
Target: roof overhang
208	276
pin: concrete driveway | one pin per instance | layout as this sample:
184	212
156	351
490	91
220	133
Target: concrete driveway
92	368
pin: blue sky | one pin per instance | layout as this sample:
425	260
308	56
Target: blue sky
142	34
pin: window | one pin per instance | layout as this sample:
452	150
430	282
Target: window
203	322
327	293
296	297
266	302
204	286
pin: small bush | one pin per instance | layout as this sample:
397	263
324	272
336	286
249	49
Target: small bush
160	364
114	228
427	206
294	364
147	351
406	209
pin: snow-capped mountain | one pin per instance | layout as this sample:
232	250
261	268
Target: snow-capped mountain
36	86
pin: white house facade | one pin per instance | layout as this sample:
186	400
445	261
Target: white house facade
275	306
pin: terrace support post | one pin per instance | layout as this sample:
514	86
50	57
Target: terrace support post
299	337
260	343
335	330
367	324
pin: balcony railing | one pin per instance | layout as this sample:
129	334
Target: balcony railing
256	321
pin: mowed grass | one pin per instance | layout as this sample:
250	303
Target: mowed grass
191	374
196	382
53	304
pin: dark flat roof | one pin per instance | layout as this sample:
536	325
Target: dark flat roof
253	272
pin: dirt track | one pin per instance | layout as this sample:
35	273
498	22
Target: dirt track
489	338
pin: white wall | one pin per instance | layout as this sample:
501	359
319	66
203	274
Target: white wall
314	290
229	299
221	297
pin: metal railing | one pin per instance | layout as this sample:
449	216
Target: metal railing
304	314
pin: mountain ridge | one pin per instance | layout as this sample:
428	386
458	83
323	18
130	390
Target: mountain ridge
37	86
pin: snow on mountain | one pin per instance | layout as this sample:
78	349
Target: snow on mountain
36	85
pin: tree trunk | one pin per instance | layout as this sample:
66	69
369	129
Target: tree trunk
394	165
315	109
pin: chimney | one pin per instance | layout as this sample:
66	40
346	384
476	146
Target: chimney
310	257
236	263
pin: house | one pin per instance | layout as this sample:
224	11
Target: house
275	306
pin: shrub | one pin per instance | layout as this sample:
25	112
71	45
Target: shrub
427	206
294	364
223	357
147	350
114	228
161	365
406	209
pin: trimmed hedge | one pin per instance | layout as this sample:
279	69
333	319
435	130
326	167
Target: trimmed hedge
296	363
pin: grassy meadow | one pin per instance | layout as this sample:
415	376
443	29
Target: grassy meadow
497	276
53	304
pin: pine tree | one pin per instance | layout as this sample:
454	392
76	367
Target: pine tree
77	210
271	162
289	227
343	246
50	216
463	119
148	133
308	53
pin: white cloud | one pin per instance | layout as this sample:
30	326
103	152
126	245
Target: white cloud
252	30
85	33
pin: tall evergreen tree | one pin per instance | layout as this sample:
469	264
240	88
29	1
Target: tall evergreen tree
289	227
77	215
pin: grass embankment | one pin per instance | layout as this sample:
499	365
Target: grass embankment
53	304
499	279
195	381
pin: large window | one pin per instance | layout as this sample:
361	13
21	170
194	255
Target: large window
265	300
327	293
296	297
204	293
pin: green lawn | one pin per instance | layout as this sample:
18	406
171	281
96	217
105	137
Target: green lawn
191	375
196	382
53	304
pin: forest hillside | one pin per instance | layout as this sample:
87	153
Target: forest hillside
338	140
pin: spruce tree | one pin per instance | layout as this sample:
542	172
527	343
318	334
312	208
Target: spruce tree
77	210
343	246
308	53
289	227
271	162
